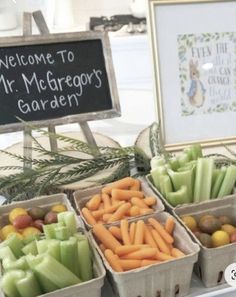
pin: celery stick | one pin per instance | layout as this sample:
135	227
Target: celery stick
166	184
56	272
69	255
42	245
31	238
20	263
174	163
157	161
196	151
228	182
62	233
85	261
45	284
54	249
184	178
28	286
188	151
218	179
178	197
6	252
8	282
79	236
203	180
49	231
156	173
15	244
30	248
183	158
69	220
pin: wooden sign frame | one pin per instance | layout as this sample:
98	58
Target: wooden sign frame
69	37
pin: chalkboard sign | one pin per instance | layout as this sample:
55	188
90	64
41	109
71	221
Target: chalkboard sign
59	78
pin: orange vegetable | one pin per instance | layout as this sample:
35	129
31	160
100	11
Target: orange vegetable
98	213
136	185
127	264
150	201
148	239
132	232
123	183
177	253
139	232
134	211
120	212
102	247
163	257
106	216
161	230
141	254
105	237
147	262
138	202
88	216
126	249
125	194
160	242
115	231
145	211
94	202
112	260
101	206
170	225
124	232
106	200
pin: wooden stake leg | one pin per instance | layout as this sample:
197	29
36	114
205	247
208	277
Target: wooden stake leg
89	136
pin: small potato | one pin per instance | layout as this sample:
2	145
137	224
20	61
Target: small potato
38	224
50	217
22	221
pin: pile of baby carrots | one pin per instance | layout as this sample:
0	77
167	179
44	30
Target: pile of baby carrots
121	199
137	244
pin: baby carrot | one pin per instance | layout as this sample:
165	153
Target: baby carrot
145	211
141	254
170	225
124	232
106	216
160	242
161	230
125	194
150	201
138	202
115	231
106	200
134	211
163	257
139	232
112	260
88	216
148	239
177	253
132	232
136	185
94	202
120	212
147	262
101	206
127	264
123	183
105	237
98	213
126	249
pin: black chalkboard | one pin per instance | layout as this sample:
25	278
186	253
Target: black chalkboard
52	80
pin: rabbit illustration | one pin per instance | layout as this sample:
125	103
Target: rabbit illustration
197	91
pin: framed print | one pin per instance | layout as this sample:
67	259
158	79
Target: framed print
194	56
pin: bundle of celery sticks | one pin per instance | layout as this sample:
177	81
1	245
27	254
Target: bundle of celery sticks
35	266
191	178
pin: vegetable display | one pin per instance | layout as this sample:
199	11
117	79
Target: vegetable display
191	178
36	265
118	200
137	244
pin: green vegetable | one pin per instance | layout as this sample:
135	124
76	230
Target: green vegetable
54	249
6	252
69	255
183	159
15	244
69	220
8	282
85	260
218	179
62	233
166	184
28	285
57	273
79	236
42	245
174	163
178	197
30	248
9	264
157	161
156	173
203	180
31	238
228	182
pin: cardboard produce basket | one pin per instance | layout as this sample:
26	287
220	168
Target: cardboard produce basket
167	279
212	262
81	197
94	285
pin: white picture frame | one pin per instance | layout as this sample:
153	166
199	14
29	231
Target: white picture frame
194	57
